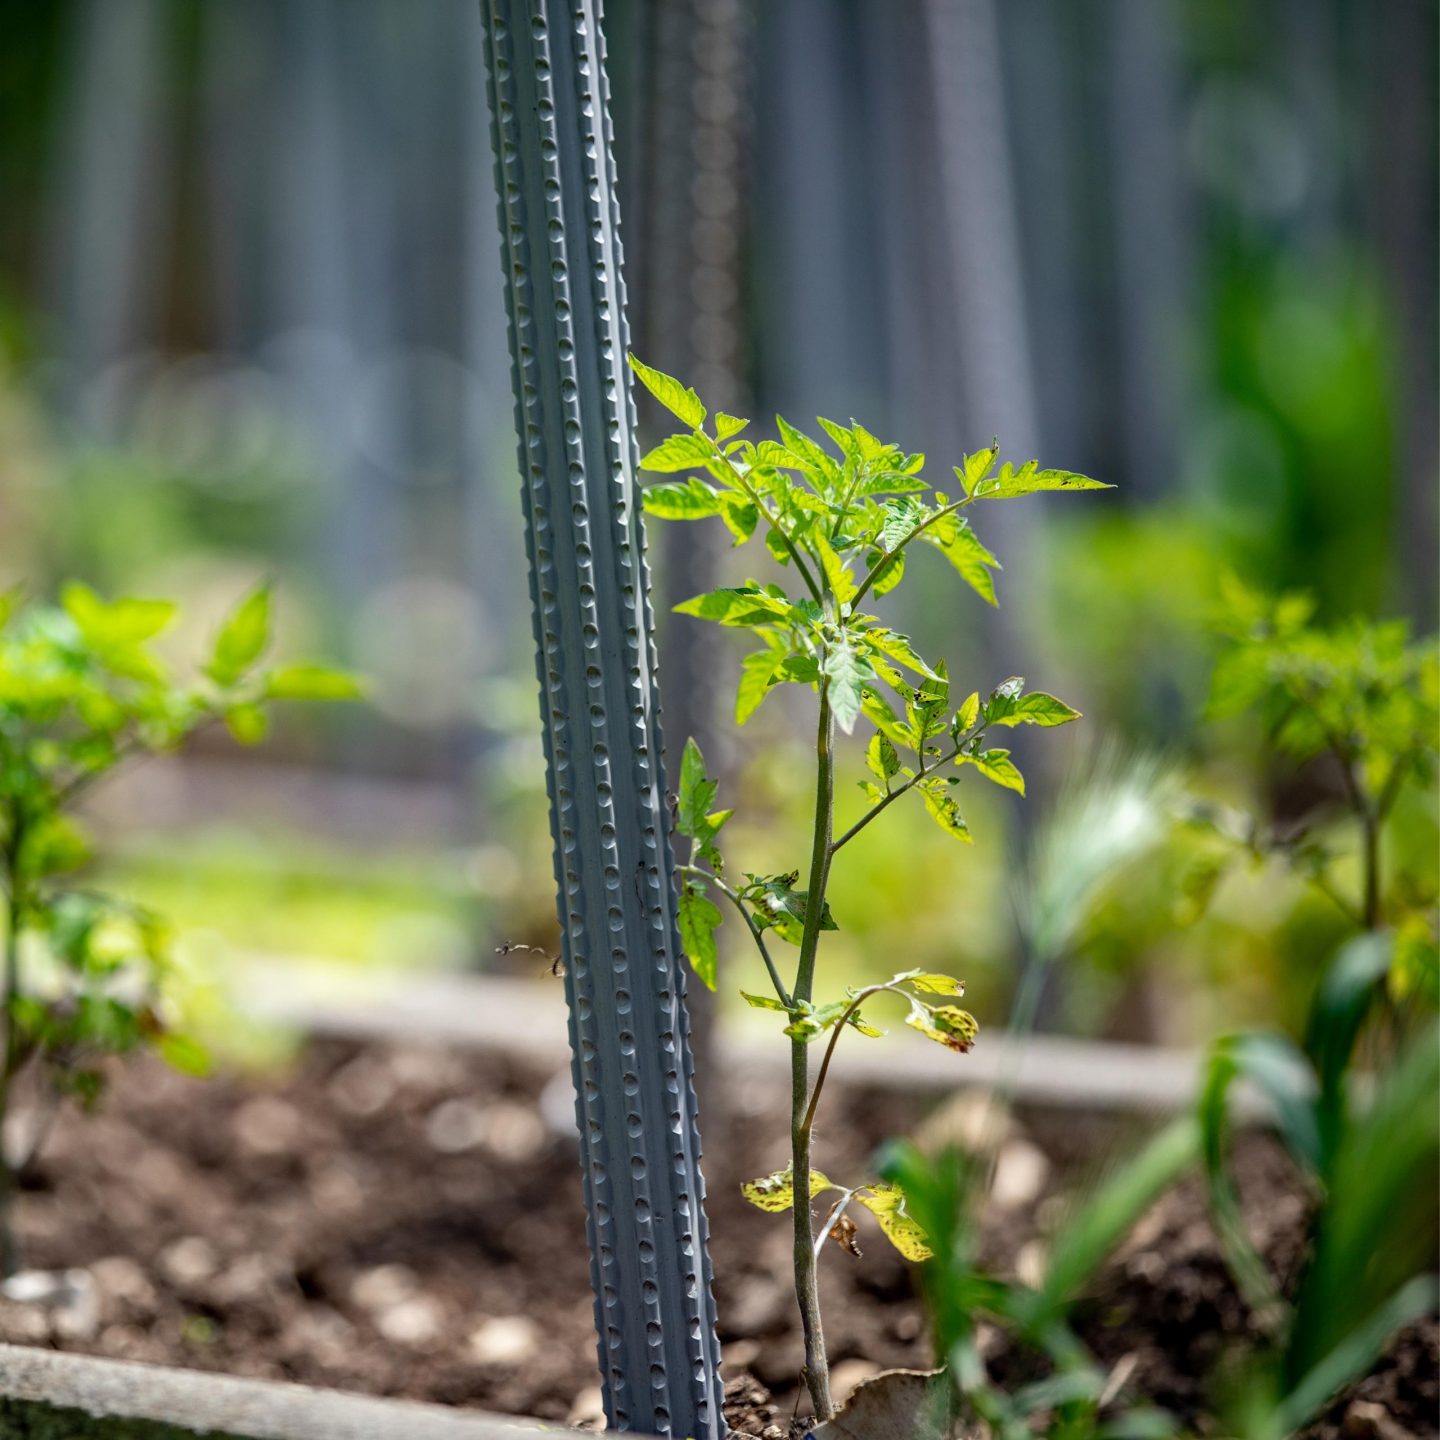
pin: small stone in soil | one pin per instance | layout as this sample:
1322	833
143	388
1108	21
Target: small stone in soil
845	1376
1020	1175
416	1321
455	1126
383	1286
503	1340
189	1260
267	1125
588	1409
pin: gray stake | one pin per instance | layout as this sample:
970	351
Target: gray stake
635	1104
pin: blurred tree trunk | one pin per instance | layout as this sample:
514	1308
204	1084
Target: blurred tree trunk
685	230
109	230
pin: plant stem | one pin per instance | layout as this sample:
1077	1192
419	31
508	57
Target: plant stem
1370	832
817	1366
844	1020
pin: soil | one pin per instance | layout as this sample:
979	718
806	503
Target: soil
407	1222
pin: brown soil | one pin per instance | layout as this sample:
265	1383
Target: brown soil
402	1221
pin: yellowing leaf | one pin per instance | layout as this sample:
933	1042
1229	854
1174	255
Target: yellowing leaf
945	812
880	756
776	1192
933	984
886	1203
947	1025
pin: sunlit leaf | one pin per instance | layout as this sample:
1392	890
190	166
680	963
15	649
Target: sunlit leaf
699	918
675	397
691	499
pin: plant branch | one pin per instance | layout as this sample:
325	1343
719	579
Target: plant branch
860	998
894	795
889	555
771	520
756	933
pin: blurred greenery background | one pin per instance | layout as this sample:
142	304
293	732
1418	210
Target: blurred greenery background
251	325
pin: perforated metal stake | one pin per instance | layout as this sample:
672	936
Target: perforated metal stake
639	1145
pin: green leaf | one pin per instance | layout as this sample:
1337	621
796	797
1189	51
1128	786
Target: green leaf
183	1053
763	1002
776	1192
880	756
944	810
837	573
1009	482
727	425
757	671
699	919
844	440
1037	708
780	906
811	457
947	1025
741	605
970	557
248	723
977	466
740	515
882	717
312	682
886	1202
679	452
126	621
697	792
680	402
898	647
900	518
691	499
966	716
1082	1246
846	674
889	574
242	638
997	765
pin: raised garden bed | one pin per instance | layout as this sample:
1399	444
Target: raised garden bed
404	1220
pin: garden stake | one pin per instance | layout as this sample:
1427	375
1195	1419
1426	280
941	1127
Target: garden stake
639	1143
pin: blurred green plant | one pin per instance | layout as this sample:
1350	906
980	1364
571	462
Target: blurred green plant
1362	698
82	691
844	524
1076	1398
1374	1167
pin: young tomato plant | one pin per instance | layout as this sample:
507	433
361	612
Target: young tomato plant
844	523
81	691
1363	699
